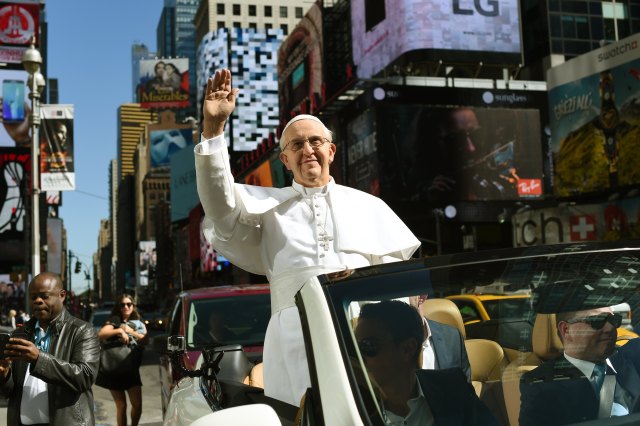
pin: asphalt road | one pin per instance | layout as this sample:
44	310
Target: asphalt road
105	409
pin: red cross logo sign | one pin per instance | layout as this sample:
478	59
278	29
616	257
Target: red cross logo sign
582	228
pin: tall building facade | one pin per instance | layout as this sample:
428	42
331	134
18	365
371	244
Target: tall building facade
138	51
132	119
555	31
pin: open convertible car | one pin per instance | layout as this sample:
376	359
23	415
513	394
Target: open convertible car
225	389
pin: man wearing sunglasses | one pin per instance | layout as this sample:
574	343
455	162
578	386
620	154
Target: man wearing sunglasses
582	383
389	336
289	234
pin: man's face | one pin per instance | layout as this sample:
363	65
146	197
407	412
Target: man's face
310	167
582	341
46	297
61	133
390	357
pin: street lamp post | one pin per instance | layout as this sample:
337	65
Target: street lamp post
31	61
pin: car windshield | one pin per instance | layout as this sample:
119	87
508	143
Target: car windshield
508	308
569	290
228	320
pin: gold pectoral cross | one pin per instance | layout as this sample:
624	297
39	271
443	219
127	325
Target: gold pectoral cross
325	240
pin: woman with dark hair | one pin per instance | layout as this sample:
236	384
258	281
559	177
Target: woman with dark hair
125	324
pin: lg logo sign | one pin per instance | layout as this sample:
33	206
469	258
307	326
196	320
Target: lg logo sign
491	8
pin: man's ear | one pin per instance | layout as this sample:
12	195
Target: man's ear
285	160
63	294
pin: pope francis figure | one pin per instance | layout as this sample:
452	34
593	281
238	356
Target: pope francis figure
289	234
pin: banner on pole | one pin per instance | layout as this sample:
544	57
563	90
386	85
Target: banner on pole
57	171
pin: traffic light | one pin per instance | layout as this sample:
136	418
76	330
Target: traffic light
78	267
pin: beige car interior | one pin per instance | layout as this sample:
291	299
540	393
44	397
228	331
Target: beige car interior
486	357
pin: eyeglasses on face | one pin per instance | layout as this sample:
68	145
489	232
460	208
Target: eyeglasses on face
370	346
598	321
126	305
315	142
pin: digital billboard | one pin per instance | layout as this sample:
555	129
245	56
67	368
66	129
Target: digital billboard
15	168
57	169
593	113
14	132
461	30
460	153
19	23
164	143
164	83
147	262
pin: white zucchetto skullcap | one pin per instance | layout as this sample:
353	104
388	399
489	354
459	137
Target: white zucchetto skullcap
293	120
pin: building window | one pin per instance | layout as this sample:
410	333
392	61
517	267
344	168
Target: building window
253	25
252	10
237	25
236	10
283	12
284	28
221	24
268	26
220	8
614	10
268	11
568	28
299	12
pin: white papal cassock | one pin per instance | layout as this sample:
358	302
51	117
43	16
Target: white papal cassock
290	235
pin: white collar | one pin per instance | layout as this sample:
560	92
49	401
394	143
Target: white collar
307	191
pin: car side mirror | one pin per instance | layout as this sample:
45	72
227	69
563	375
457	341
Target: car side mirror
176	344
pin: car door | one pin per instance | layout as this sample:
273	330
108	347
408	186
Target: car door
168	377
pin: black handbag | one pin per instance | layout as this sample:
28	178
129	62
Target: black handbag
117	358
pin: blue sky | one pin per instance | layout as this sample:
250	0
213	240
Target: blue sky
90	55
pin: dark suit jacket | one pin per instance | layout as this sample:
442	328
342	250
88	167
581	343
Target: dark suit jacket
449	348
452	400
557	393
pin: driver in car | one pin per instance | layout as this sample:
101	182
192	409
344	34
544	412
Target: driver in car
581	384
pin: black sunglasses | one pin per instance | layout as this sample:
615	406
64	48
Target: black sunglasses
126	305
370	347
598	321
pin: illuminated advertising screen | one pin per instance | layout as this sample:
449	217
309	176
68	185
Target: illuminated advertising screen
468	30
465	145
15	168
147	262
19	23
14	130
165	143
164	83
593	108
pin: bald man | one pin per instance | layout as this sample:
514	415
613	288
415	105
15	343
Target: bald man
289	234
52	362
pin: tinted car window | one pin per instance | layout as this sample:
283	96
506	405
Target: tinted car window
231	320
